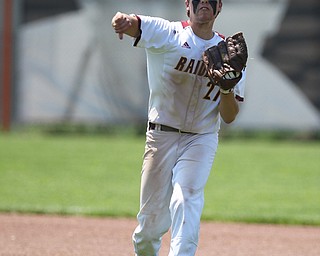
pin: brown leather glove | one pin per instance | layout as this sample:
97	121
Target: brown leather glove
225	61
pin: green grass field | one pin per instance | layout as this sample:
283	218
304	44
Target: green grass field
252	180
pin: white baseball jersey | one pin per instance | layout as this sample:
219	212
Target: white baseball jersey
181	95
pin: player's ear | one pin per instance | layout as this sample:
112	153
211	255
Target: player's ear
219	7
187	7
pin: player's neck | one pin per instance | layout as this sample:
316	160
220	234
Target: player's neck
204	31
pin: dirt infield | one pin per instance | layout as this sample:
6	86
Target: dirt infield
23	235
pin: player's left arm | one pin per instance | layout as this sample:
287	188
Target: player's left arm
229	103
228	107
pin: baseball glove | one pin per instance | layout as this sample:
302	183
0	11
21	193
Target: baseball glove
225	61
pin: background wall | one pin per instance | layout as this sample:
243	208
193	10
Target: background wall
71	67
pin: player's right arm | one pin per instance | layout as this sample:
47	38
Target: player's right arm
125	24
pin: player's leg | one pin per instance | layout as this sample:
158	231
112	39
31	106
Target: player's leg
156	190
189	178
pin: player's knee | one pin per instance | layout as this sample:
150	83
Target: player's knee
184	196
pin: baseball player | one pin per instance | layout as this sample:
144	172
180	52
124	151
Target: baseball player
183	123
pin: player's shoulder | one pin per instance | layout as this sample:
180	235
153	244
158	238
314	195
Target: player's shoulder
180	25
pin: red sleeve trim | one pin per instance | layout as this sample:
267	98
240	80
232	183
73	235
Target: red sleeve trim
222	36
240	99
139	37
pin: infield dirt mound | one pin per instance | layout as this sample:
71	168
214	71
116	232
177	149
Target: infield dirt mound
34	235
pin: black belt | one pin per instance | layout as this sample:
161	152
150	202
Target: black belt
164	128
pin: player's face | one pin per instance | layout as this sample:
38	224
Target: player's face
203	10
204	6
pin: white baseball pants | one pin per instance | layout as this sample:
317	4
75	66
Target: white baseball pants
174	173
